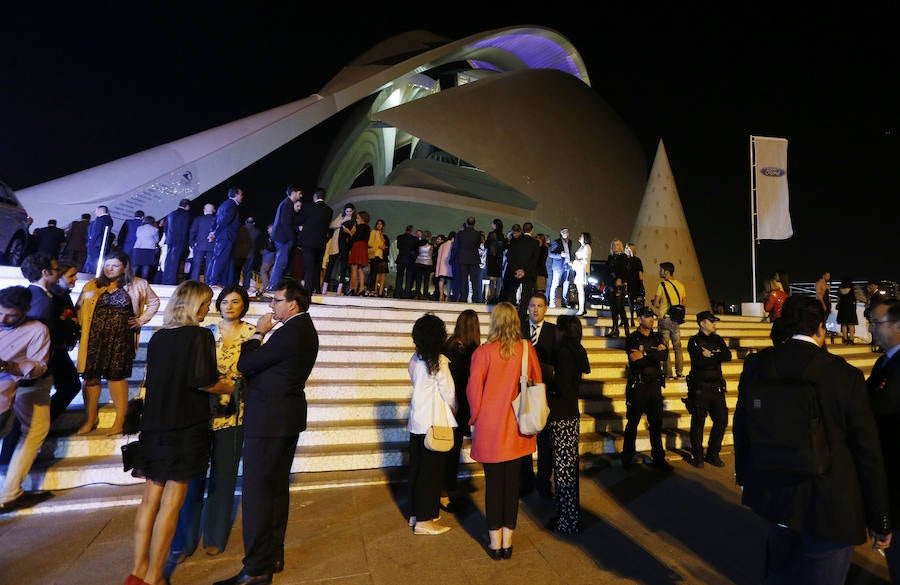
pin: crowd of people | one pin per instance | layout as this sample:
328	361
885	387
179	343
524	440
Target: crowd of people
217	395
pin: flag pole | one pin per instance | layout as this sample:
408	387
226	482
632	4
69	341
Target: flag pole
753	217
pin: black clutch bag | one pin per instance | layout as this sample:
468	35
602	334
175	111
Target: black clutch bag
132	456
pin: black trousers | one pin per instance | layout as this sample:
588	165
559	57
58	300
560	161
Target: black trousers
403	281
312	267
501	493
640	400
541	481
711	402
266	500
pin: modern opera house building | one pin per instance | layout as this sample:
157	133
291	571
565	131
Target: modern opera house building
499	124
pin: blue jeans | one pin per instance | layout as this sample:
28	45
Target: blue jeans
797	559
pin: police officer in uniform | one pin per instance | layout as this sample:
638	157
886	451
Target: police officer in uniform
706	389
646	352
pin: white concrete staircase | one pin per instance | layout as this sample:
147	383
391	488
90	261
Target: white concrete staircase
359	391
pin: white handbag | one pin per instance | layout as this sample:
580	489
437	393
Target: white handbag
530	405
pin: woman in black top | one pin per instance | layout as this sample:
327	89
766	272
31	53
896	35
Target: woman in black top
459	348
175	426
564	422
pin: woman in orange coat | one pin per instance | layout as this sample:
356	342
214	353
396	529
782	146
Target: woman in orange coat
496	440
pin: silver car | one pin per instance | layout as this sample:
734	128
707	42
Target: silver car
13	227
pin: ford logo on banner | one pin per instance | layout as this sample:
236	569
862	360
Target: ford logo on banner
772	171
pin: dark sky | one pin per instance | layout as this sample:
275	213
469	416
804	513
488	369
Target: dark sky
83	86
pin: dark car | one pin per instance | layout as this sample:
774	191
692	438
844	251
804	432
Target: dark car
13	227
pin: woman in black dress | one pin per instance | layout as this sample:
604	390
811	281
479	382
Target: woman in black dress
496	246
846	311
459	348
564	423
175	427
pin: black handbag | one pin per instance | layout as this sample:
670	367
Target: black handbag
132	455
676	312
132	423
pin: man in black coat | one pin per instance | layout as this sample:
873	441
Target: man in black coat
49	239
201	242
100	226
284	233
522	257
225	230
466	244
706	389
313	221
407	250
884	394
814	520
274	415
128	232
545	339
178	225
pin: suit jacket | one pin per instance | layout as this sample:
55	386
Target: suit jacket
523	252
49	239
407	248
227	221
95	232
547	343
561	254
128	233
76	239
884	394
276	372
178	224
467	242
284	227
198	236
836	506
315	220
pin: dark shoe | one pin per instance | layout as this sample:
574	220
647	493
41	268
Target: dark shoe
494	553
697	462
714	460
243	578
506	553
278	566
661	465
628	463
26	500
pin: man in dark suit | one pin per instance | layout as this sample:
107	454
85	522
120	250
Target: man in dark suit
284	233
274	416
522	257
225	231
49	239
561	254
407	249
884	394
313	222
178	226
128	232
75	252
544	338
466	244
101	226
814	521
201	243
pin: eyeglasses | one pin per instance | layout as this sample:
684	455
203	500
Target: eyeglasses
880	322
277	300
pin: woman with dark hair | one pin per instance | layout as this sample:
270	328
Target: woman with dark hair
378	264
432	391
495	244
112	309
358	258
459	348
175	435
213	519
496	440
846	310
564	423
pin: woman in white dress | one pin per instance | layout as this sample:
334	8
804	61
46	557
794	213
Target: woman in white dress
582	265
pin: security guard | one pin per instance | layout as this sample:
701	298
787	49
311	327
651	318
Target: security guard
643	395
706	389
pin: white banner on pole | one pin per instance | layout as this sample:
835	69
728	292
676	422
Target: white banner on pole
773	215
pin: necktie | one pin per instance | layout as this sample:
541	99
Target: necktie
534	334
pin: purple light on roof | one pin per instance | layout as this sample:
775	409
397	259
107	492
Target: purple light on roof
536	51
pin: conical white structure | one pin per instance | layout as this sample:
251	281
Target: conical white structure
662	235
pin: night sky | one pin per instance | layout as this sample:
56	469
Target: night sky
82	87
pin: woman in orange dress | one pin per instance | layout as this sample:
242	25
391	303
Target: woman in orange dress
496	440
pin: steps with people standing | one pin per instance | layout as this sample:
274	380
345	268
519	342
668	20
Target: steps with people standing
359	390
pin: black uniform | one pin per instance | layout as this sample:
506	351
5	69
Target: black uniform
706	393
643	395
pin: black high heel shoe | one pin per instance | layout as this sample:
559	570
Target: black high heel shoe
495	553
506	553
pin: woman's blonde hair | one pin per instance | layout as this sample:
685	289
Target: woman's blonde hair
506	327
184	304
